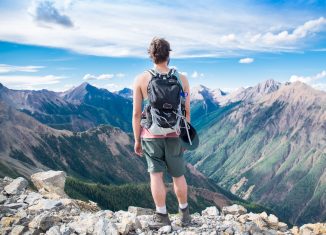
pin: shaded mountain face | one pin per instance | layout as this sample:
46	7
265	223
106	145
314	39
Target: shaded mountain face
77	109
268	144
102	154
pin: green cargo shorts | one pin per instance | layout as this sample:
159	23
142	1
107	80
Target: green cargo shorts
164	154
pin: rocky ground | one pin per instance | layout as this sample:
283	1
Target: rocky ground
51	211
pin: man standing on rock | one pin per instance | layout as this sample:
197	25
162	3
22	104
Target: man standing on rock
164	94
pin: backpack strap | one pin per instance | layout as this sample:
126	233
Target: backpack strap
152	72
176	73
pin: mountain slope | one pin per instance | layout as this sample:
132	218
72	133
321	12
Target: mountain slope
270	147
100	154
204	101
103	154
77	109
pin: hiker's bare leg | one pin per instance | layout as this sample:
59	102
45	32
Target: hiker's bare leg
180	188
158	188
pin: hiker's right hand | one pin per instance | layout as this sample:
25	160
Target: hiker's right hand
138	149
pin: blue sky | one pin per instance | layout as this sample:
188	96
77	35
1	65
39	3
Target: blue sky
56	44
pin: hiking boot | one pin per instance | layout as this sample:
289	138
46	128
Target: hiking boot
185	217
159	220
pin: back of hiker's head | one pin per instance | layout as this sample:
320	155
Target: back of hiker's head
159	50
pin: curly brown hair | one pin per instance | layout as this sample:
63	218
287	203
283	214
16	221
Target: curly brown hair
159	50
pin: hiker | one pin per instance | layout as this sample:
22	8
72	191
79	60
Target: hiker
156	131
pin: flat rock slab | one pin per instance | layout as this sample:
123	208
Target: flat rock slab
45	204
17	186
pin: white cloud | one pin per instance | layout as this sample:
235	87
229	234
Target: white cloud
184	73
212	30
120	75
299	32
29	82
308	79
315	81
90	77
6	68
246	60
105	76
196	74
228	38
109	86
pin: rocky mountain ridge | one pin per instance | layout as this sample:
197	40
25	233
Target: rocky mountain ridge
270	148
77	109
273	132
50	211
103	154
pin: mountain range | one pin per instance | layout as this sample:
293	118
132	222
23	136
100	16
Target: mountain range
268	144
265	143
102	154
77	109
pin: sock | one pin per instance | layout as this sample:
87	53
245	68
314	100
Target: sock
182	206
161	210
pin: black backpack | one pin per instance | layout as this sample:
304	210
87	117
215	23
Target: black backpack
166	105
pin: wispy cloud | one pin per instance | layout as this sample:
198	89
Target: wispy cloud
246	60
196	74
6	68
308	79
314	80
214	29
29	82
90	77
120	75
285	36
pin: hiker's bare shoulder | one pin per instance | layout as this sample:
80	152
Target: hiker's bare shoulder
142	77
184	80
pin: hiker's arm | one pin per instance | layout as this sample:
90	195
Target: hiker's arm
136	114
187	104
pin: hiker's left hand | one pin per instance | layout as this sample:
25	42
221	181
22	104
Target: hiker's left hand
138	149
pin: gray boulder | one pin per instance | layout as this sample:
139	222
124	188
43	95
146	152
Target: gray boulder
50	182
17	186
18	230
234	210
210	211
44	221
